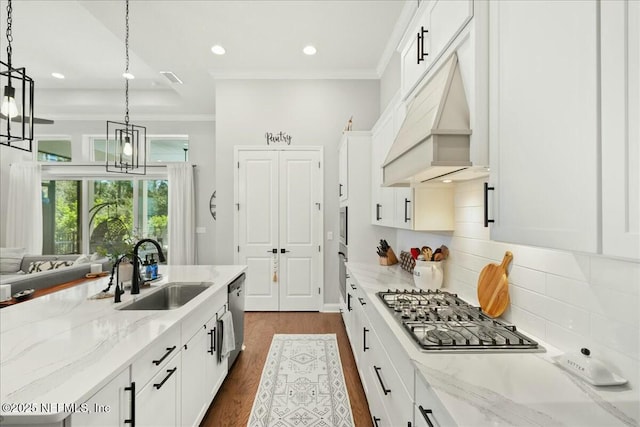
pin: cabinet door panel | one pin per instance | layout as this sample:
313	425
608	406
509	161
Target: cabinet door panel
446	20
544	128
110	406
404	208
343	172
193	394
620	71
382	198
157	407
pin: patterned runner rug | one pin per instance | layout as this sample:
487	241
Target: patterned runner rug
302	384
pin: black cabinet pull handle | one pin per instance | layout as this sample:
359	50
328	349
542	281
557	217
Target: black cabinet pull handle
486	204
132	420
212	346
375	421
282	251
420	45
348	301
354	287
362	301
169	350
378	206
170	371
340	189
364	339
425	413
406	218
384	389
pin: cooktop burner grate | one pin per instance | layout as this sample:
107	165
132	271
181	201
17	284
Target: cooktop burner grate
439	320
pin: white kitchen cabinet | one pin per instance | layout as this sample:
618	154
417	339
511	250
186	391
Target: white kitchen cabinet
620	95
544	123
110	406
343	171
193	396
215	368
383	199
158	402
202	373
433	29
428	411
390	402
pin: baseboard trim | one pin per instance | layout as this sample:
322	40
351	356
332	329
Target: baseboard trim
331	308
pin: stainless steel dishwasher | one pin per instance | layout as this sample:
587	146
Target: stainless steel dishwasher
236	306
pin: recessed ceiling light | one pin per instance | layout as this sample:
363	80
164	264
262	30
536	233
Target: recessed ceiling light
128	76
447	181
218	50
309	50
58	75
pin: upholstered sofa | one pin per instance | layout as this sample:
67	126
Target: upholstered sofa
22	279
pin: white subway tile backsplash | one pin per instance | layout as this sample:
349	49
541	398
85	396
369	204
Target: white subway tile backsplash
569	300
526	321
567	316
617	306
575	292
527	300
619	336
529	279
615	274
466	260
614	305
472	214
472	197
471	230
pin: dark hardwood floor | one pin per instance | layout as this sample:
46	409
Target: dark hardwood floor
232	405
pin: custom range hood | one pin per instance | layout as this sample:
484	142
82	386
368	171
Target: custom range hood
434	138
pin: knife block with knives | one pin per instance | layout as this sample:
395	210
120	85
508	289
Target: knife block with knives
386	254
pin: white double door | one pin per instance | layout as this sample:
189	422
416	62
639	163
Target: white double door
279	228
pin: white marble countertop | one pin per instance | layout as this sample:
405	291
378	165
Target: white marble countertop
61	348
503	389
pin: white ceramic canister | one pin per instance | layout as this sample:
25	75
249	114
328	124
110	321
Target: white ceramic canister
428	274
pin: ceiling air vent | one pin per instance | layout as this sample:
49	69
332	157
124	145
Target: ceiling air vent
171	77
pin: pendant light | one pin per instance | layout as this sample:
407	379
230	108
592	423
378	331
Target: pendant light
126	143
16	105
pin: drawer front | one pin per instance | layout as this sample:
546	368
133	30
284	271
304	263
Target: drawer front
432	408
382	377
392	347
151	361
196	320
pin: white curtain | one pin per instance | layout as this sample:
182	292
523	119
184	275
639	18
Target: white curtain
24	207
182	215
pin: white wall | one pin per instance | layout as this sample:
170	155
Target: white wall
570	300
201	153
313	112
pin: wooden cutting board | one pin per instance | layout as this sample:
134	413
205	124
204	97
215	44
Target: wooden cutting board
493	287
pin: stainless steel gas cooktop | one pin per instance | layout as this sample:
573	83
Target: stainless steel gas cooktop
440	321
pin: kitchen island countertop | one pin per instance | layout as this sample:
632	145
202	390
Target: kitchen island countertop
502	389
63	347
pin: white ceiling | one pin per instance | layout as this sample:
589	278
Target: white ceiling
84	40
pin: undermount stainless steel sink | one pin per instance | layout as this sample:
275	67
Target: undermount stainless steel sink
171	296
